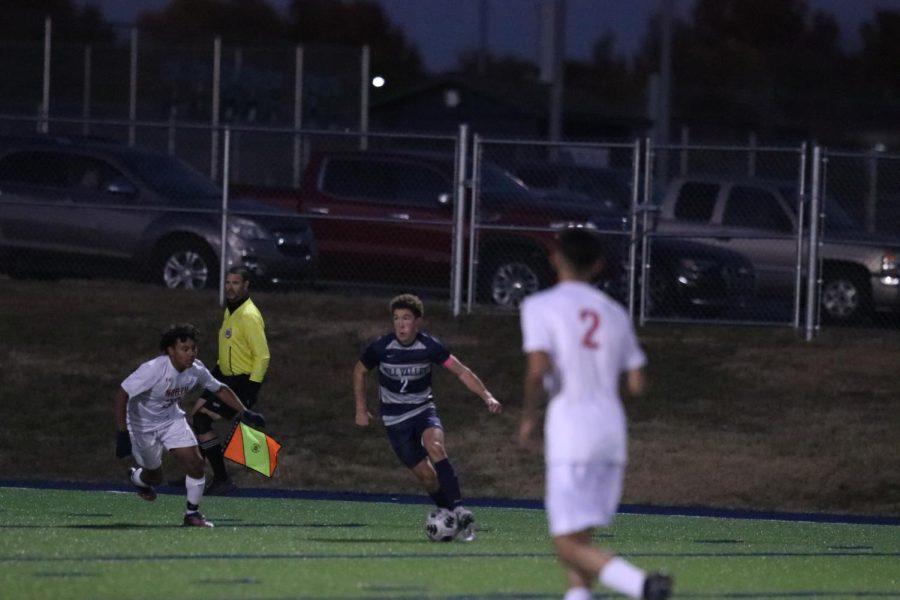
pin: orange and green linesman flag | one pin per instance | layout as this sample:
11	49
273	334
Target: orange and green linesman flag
253	449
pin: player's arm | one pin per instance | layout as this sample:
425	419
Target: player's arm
123	439
227	395
472	381
635	382
538	365
259	347
363	416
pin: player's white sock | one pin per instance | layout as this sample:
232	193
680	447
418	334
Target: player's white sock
622	576
194	489
578	593
136	478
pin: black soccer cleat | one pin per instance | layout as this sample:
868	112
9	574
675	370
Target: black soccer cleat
657	586
219	487
147	493
195	519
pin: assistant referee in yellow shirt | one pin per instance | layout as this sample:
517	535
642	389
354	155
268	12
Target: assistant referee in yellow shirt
243	361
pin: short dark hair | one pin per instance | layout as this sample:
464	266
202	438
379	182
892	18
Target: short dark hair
581	247
244	272
410	302
177	333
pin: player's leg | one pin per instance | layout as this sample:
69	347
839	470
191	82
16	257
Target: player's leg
580	497
209	409
147	450
180	440
407	445
433	442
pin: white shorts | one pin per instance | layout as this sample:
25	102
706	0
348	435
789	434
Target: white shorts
582	496
147	446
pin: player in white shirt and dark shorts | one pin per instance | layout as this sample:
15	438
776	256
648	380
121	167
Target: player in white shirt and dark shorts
150	420
578	343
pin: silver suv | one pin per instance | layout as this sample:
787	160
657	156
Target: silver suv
73	207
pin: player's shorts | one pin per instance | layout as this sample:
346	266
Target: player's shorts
239	384
406	436
147	447
582	496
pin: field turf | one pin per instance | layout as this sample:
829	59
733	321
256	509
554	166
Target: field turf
107	543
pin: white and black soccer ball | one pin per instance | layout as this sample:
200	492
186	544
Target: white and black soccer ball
440	525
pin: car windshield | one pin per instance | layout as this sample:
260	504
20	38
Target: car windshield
836	216
497	181
173	179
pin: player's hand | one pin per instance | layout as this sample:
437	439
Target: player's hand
494	406
253	419
123	444
364	419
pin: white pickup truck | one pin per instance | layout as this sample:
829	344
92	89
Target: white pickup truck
759	219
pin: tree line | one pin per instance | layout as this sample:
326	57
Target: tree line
775	67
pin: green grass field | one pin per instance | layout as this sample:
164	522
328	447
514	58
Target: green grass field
63	544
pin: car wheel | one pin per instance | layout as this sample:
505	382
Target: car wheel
844	299
186	264
507	281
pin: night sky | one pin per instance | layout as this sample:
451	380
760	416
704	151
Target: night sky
442	28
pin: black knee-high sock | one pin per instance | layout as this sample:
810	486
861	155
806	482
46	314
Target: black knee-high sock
212	450
448	482
440	499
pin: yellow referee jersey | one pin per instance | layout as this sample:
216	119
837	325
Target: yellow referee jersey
243	349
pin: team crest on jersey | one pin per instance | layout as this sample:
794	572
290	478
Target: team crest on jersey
228	333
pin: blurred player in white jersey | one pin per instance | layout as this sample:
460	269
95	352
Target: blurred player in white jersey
578	343
149	419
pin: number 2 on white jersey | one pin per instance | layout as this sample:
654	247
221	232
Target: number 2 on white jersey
593	324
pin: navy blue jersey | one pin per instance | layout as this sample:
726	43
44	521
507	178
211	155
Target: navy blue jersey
404	374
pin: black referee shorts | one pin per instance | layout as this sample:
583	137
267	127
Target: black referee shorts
240	385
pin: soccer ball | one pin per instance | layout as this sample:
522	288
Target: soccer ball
440	525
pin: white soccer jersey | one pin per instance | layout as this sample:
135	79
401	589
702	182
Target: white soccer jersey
591	342
155	389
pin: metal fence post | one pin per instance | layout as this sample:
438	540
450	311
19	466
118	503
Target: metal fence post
645	237
296	163
86	91
226	158
459	220
132	86
633	238
43	125
812	264
216	79
801	207
364	98
473	185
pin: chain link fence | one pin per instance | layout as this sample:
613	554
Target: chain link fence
695	233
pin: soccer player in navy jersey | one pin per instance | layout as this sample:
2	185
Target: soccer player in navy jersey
404	358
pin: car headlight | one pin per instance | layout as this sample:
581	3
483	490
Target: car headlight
889	263
690	269
248	230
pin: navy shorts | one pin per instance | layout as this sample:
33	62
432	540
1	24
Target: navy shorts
406	436
239	384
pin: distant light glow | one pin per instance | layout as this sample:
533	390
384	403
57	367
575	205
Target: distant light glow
378	81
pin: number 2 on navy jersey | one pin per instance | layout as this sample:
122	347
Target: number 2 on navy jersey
592	319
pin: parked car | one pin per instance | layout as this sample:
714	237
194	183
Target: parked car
77	207
610	188
758	219
386	216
